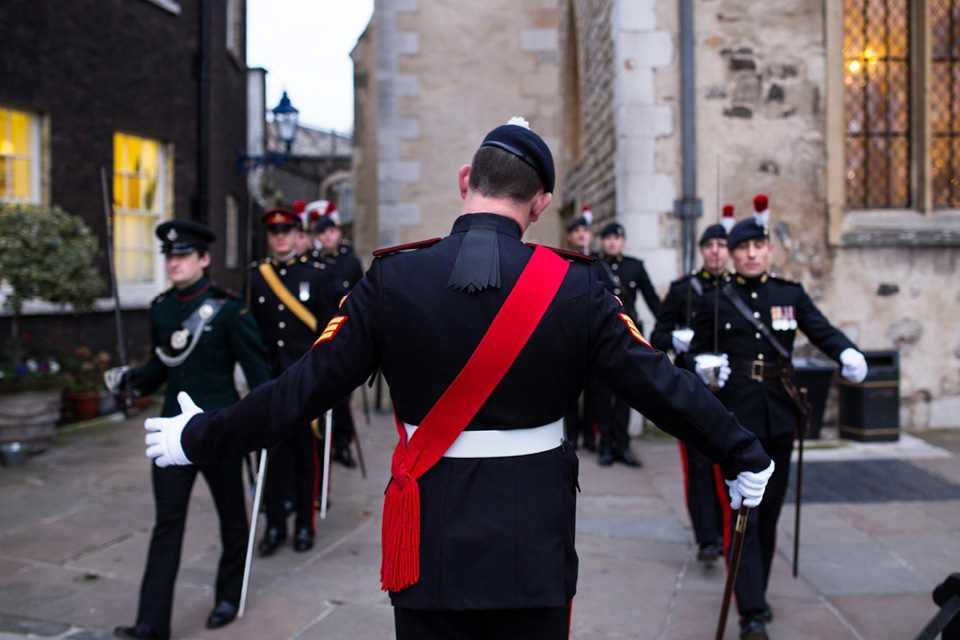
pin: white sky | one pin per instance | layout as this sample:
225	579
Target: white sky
305	47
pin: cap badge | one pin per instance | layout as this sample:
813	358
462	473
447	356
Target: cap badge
172	235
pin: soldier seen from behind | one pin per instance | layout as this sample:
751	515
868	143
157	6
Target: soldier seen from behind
485	341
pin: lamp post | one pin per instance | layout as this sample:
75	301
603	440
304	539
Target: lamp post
285	120
285	117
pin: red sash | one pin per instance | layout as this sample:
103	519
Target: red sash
500	346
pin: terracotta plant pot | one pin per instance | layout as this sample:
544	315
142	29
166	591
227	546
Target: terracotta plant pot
83	404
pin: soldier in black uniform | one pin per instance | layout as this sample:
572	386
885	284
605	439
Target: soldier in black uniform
703	485
344	272
752	389
496	512
289	301
623	276
576	423
198	331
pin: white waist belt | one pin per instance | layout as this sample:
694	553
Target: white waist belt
502	444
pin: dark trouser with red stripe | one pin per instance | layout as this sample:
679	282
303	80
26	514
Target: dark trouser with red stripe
540	623
292	471
704	487
760	538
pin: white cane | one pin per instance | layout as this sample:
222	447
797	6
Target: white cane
255	516
325	487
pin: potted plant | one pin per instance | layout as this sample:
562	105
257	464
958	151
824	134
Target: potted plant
85	386
45	254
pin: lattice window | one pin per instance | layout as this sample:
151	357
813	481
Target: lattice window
876	46
945	102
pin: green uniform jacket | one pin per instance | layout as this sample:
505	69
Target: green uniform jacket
207	374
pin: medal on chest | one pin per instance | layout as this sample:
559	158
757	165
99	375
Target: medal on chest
783	318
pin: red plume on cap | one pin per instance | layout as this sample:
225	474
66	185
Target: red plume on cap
587	214
728	219
331	207
761	210
299	206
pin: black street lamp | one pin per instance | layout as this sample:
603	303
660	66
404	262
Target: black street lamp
285	117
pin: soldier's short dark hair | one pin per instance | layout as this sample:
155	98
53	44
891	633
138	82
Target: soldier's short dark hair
495	173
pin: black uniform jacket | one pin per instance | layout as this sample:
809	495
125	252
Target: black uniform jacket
763	406
207	375
495	532
285	335
627	276
345	271
679	307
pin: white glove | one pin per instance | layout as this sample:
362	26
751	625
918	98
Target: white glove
748	487
113	378
163	441
681	340
722	361
854	365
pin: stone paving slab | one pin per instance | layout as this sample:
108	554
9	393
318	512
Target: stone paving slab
67	572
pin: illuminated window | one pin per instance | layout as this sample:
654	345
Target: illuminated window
876	47
19	156
139	205
901	104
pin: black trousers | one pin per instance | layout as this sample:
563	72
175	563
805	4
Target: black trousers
610	413
343	428
171	492
292	473
760	537
575	425
704	487
542	623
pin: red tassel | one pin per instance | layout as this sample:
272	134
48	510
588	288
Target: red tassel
400	536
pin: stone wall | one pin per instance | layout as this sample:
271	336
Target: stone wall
445	74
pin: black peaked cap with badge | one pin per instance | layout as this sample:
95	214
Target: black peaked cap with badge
280	218
184	236
711	232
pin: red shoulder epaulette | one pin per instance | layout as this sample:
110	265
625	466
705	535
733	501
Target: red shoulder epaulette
573	256
379	253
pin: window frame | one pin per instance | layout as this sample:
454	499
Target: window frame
139	295
35	143
920	224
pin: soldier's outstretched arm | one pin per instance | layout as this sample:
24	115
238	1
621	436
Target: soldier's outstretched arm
345	355
672	398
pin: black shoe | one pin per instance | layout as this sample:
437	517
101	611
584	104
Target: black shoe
752	628
140	632
709	552
343	457
627	458
606	458
271	540
767	614
303	540
222	615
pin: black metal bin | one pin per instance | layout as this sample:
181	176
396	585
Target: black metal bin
816	374
870	411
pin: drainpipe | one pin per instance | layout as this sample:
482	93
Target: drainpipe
689	207
202	208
